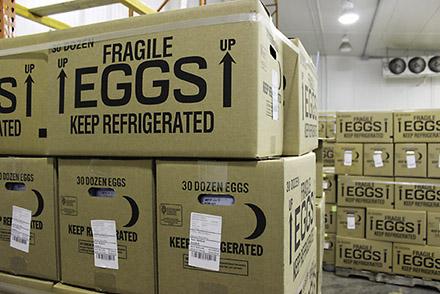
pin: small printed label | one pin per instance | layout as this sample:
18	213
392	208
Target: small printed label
348	157
20	228
105	245
326	245
351	222
205	238
411	160
325	185
275	106
377	158
334	208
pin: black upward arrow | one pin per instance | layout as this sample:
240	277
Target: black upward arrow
62	77
29	81
227	79
290	231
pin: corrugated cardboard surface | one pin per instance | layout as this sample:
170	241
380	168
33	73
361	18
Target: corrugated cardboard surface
320	234
328	153
364	254
307	281
329	248
386	151
400	163
319	170
364	127
24	98
356	167
396	225
433	228
22	285
342	229
322	130
417	126
300	95
416	261
331	128
174	101
330	218
329	182
366	191
433	160
417	194
65	289
131	208
39	196
280	226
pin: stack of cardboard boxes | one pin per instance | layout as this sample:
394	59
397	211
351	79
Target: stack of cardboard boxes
387	192
123	93
327	128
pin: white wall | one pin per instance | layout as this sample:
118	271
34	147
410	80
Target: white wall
349	83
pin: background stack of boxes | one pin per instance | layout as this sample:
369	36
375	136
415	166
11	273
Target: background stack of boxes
119	219
387	192
327	134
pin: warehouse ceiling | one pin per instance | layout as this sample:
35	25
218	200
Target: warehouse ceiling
402	26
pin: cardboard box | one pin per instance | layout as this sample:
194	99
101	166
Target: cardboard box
257	232
366	191
300	95
396	225
329	249
29	199
410	160
146	92
10	284
417	194
351	222
329	185
379	160
433	161
433	228
322	128
23	84
414	126
331	127
416	261
363	254
364	127
65	289
308	280
349	159
120	192
319	170
328	153
330	218
320	240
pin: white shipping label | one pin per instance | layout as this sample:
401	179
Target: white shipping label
105	244
20	228
205	237
325	185
411	161
348	157
377	158
351	222
275	85
326	245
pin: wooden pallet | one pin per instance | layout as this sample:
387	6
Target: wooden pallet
388	278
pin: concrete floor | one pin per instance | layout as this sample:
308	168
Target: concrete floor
333	284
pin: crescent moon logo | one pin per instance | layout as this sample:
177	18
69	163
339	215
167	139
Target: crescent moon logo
420	156
329	184
40	201
359	218
388	156
261	222
134	212
357	155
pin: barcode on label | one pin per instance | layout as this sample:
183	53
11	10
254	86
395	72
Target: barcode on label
204	256
19	240
105	256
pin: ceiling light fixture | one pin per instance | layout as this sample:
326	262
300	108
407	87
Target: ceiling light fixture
345	46
348	15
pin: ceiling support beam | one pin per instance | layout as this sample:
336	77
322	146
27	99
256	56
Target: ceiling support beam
370	29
